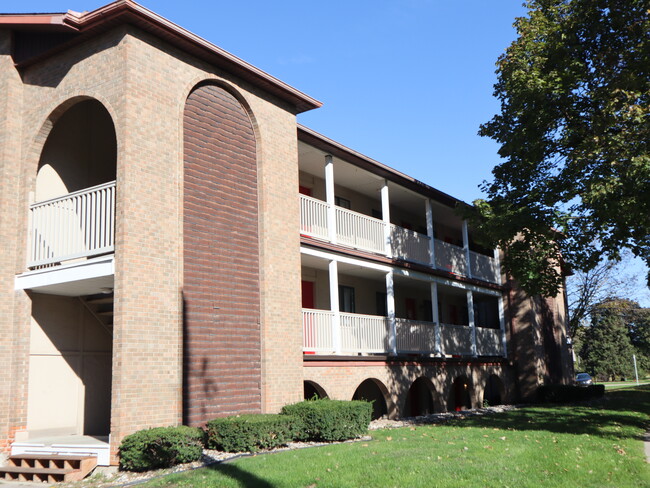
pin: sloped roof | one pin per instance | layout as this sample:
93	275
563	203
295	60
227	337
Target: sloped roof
81	26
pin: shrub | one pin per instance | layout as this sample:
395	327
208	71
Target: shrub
569	393
249	433
161	447
330	420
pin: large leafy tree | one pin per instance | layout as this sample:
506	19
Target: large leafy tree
574	135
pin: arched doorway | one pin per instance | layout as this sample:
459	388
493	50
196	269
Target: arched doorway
70	364
372	390
419	399
313	390
460	397
493	393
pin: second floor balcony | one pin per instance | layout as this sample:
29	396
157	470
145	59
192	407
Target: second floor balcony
325	332
74	226
335	224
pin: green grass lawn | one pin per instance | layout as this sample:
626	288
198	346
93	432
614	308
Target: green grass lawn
594	445
613	385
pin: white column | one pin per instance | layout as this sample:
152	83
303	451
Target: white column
497	264
385	216
432	242
466	247
390	310
329	198
436	319
334	306
470	313
502	325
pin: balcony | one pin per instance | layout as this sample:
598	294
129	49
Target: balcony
358	231
76	225
371	334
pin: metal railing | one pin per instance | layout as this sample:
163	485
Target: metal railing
484	267
80	224
313	217
450	257
370	334
363	333
456	339
488	342
360	231
317	331
410	245
415	336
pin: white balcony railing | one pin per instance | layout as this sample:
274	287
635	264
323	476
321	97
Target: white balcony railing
80	224
313	217
317	331
416	336
363	333
451	258
360	231
410	245
488	342
456	339
484	267
366	233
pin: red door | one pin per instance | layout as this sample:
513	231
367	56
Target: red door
307	294
411	309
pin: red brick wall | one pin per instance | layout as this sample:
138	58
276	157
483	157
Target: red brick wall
222	373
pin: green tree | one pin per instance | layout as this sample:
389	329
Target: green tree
606	350
574	135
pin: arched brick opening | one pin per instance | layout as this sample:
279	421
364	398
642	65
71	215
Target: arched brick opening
314	390
373	390
70	379
419	399
494	391
460	397
80	150
221	291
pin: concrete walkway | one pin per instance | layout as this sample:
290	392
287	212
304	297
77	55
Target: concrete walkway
646	443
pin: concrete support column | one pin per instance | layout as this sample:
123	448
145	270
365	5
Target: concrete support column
502	326
385	215
497	264
390	310
432	243
472	324
330	198
466	248
436	319
335	306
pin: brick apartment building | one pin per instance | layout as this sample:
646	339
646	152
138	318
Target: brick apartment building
175	247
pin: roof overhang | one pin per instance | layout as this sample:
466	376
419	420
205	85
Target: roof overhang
121	12
313	138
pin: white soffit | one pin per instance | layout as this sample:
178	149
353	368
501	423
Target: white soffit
76	279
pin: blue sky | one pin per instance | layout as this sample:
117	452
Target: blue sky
406	82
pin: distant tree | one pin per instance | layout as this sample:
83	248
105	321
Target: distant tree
574	133
607	350
609	280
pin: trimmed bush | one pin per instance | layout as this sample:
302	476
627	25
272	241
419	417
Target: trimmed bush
161	447
330	420
569	393
250	433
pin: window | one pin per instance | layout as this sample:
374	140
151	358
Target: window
342	202
346	299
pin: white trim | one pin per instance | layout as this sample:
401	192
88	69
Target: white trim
416	275
103	266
